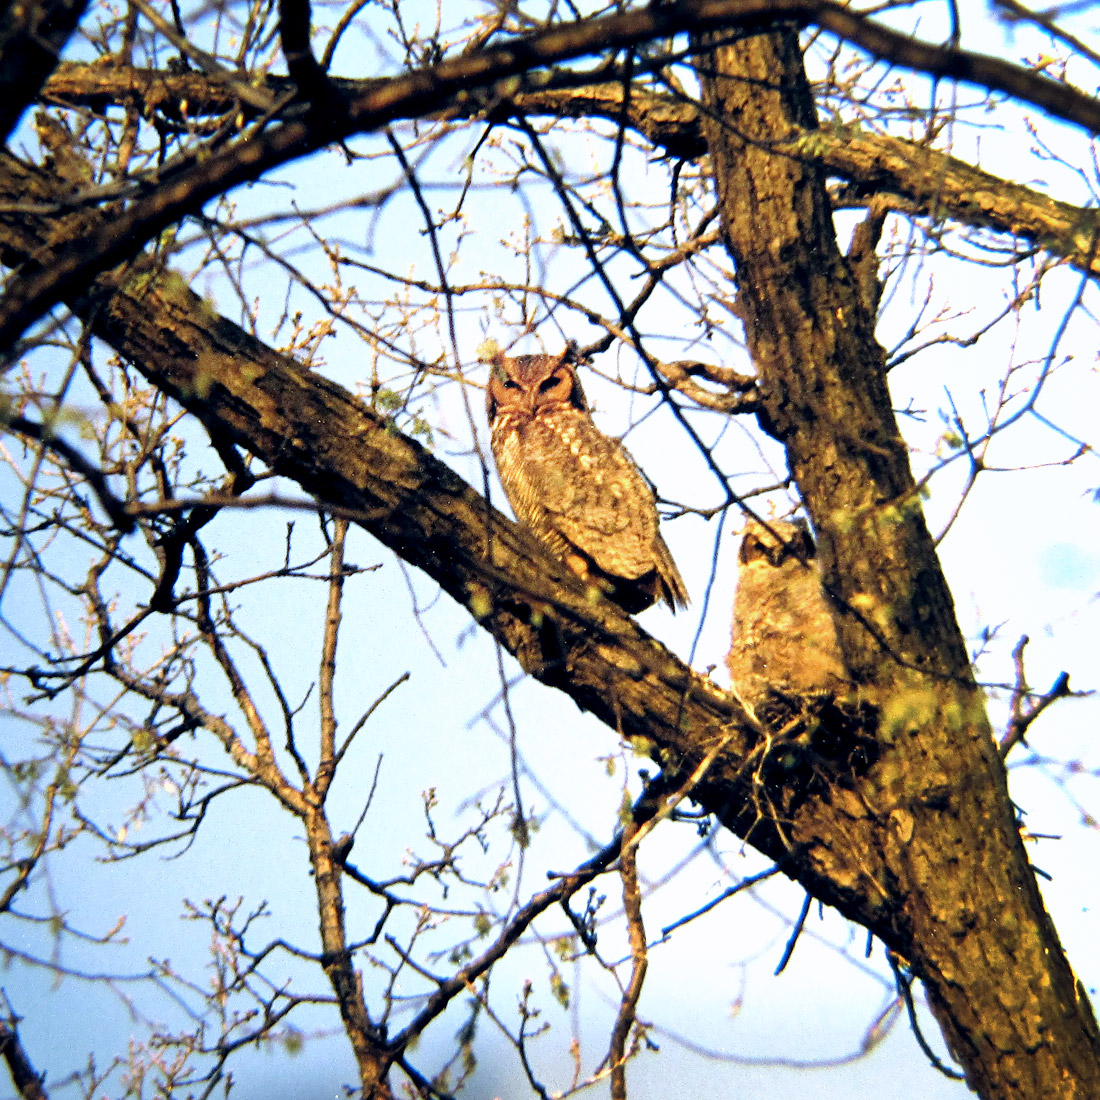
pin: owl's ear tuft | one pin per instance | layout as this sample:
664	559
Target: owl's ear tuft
570	357
804	544
498	378
488	350
572	354
751	549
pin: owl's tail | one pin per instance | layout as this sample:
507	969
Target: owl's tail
671	585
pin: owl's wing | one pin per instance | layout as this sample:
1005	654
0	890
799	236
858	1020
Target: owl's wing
592	494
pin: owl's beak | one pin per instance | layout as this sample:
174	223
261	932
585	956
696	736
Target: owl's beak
529	402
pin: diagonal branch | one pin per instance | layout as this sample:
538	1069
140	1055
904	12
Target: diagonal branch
23	1075
91	473
928	182
206	174
923	181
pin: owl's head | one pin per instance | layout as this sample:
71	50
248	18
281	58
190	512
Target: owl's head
524	384
776	541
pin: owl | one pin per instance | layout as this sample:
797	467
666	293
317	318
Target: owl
577	489
784	638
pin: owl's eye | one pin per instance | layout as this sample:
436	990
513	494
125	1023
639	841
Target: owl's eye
511	384
549	383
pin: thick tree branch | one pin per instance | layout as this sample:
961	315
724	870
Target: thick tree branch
23	1075
924	181
567	41
205	174
32	35
175	95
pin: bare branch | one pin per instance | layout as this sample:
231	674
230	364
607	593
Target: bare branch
295	24
23	1076
326	767
32	36
929	182
647	807
626	1019
114	508
1026	707
921	180
201	176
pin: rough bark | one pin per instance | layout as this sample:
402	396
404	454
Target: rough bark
32	35
931	823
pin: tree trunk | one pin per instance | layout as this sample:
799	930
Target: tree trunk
931	835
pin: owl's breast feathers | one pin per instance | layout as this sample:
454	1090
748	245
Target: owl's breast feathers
592	493
784	636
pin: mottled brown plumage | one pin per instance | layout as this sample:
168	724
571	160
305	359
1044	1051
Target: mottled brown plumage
784	638
577	489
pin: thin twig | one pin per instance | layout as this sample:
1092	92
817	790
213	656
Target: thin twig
116	511
905	991
788	951
744	884
628	1006
326	766
1022	712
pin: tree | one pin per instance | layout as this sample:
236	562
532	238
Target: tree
172	328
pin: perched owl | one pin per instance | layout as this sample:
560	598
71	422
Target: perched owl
784	639
573	486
